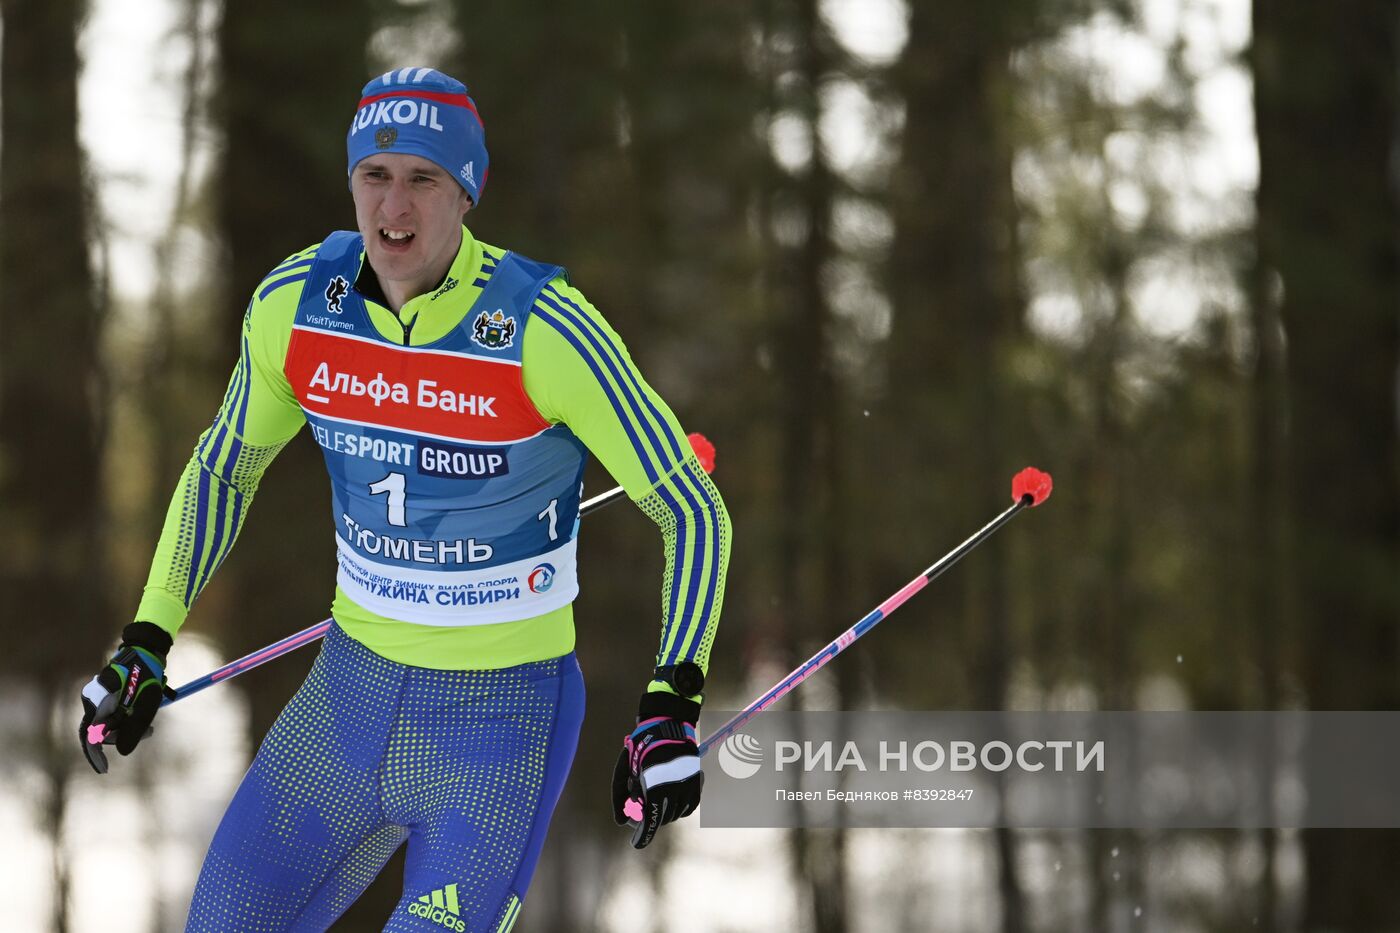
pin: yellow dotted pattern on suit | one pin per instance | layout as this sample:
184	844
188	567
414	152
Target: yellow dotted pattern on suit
370	753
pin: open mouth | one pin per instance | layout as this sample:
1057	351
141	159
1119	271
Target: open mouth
395	239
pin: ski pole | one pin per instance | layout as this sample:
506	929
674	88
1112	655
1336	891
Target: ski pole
704	452
1029	488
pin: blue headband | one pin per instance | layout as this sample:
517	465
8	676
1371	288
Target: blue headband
422	112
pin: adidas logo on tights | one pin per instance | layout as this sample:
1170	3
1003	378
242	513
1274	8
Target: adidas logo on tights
440	907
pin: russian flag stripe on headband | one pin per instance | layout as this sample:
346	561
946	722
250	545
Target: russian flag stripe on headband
455	100
425	113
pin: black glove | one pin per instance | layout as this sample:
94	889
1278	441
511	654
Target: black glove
657	778
120	702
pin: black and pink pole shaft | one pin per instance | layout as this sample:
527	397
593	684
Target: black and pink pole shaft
1029	488
704	452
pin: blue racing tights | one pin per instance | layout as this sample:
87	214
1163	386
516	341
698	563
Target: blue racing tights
465	765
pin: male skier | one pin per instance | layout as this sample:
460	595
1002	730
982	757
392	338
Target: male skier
453	388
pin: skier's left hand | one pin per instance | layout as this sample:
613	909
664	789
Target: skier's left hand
659	767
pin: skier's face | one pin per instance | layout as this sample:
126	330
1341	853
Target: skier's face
410	213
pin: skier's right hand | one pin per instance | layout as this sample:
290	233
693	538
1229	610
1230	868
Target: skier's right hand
120	702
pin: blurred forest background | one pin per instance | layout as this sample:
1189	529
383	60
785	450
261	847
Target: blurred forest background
884	253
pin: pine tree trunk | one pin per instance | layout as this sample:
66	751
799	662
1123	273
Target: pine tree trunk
1325	95
953	269
51	402
1271	595
811	512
